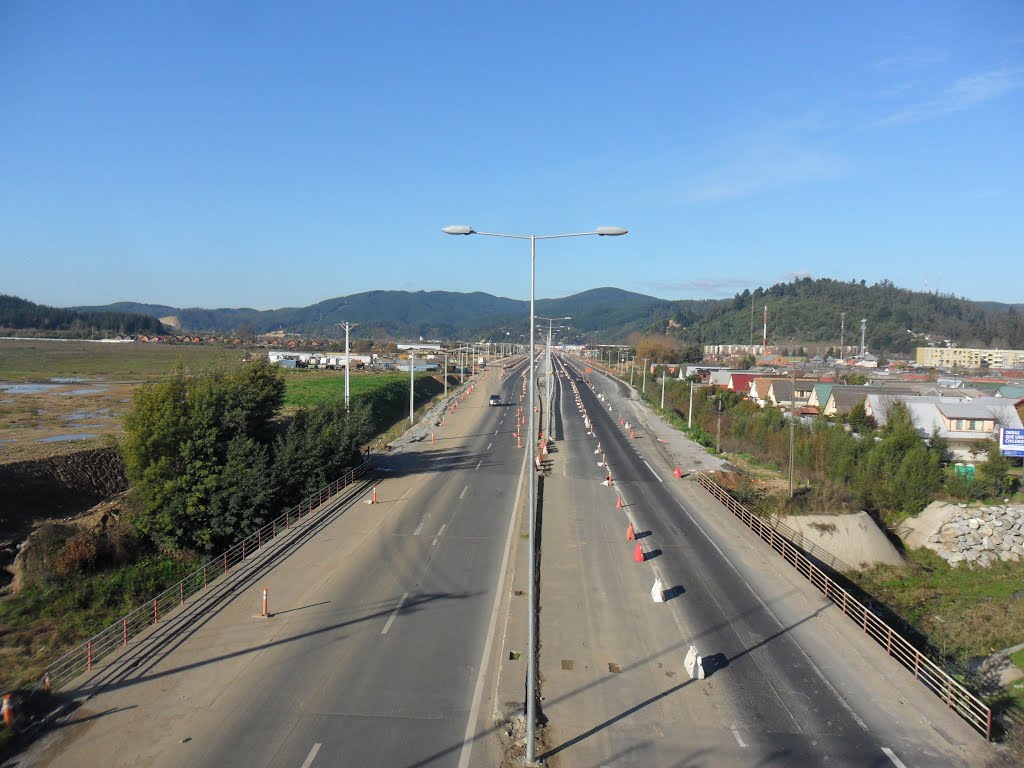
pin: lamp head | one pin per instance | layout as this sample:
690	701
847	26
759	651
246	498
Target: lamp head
610	231
458	229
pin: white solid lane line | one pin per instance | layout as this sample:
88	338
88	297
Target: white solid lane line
394	613
895	760
739	739
420	526
479	463
436	538
489	446
652	471
463	492
312	754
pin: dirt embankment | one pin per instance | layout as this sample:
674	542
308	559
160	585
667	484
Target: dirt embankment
57	487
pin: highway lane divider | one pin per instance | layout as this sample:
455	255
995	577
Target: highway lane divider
118	635
956	696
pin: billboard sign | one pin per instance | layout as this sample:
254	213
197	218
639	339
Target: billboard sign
1011	441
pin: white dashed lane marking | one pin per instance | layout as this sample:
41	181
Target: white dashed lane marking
394	613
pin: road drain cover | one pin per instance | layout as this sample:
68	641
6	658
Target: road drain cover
514	655
568	664
613	667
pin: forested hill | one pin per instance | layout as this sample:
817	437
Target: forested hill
601	313
802	311
25	316
898	319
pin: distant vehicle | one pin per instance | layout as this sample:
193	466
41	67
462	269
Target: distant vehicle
495	400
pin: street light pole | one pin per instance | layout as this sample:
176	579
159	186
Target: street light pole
531	665
644	388
663	386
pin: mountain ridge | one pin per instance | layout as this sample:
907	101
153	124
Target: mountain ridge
804	310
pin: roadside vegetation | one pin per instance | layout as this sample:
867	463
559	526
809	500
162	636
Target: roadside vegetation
211	457
891	472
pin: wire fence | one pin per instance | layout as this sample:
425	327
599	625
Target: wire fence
120	633
968	706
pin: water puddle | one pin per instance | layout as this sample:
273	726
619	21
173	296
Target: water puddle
68	380
63	438
91	391
102	413
27	389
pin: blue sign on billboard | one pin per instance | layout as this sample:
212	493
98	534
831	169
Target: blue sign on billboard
1011	441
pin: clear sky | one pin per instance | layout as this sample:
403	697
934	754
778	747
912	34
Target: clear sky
275	154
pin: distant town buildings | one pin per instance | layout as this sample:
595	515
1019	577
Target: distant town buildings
965	357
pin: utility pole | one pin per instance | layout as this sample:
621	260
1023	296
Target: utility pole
792	430
663	377
863	329
842	334
644	388
412	400
347	326
632	367
446	373
689	411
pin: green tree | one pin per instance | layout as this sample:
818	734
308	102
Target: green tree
859	420
186	441
994	472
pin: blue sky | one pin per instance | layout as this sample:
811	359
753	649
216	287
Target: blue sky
276	154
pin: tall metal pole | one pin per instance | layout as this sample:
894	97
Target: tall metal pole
531	663
689	411
412	407
446	374
792	431
632	367
663	377
347	326
644	388
347	366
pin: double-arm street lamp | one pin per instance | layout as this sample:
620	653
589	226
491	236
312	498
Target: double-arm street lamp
531	665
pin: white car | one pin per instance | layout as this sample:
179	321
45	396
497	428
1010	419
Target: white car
495	400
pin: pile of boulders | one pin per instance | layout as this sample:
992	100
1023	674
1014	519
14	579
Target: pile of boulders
981	535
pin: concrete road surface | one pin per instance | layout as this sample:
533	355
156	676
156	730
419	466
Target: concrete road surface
788	683
373	654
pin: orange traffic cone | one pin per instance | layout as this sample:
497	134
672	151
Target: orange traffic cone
374	498
8	709
618	504
638	553
630	533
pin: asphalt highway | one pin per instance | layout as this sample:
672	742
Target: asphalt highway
374	653
770	703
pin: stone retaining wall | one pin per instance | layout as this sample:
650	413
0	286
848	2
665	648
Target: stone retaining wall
981	535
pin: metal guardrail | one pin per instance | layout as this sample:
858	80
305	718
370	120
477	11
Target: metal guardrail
119	634
968	706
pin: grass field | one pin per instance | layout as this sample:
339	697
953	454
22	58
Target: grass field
40	360
311	387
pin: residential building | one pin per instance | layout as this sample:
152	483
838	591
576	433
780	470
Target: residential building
968	357
964	424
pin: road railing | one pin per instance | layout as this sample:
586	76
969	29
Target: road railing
119	634
968	706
